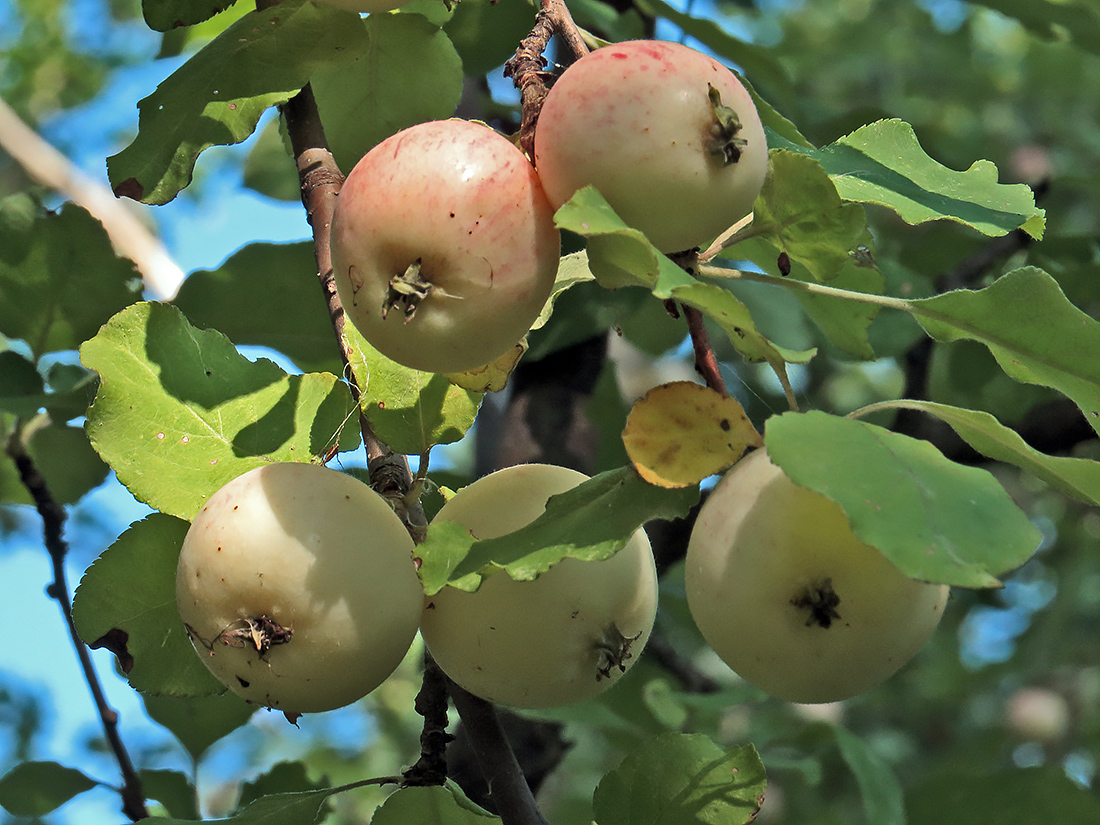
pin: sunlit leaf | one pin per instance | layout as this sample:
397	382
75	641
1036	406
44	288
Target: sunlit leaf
936	520
682	778
180	412
884	163
591	522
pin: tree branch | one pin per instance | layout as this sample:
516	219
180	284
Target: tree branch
511	795
53	526
527	67
128	235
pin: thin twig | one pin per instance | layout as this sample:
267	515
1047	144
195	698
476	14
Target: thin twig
53	527
706	362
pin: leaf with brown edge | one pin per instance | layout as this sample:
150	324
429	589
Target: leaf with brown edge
682	432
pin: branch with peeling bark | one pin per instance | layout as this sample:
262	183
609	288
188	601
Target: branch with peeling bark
128	235
527	67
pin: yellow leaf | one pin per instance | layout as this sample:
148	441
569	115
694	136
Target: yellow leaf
492	377
682	432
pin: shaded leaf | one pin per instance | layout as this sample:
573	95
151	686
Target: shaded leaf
679	778
126	602
1011	797
180	412
1034	332
217	97
67	461
404	72
280	777
884	163
800	213
60	279
266	295
677	434
198	721
883	800
36	788
1055	20
936	520
430	806
485	33
172	789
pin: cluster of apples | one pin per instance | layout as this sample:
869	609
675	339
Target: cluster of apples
297	583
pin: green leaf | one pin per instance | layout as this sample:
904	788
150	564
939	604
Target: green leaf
1055	20
883	163
67	461
198	721
60	279
1076	477
36	788
593	521
680	778
126	602
266	295
409	410
172	789
725	309
1034	332
432	805
217	97
280	777
618	255
800	213
300	808
936	520
883	800
269	168
1010	797
162	15
405	73
21	385
180	412
485	33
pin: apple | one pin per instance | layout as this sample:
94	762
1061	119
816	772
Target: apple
298	589
562	638
444	247
669	136
788	596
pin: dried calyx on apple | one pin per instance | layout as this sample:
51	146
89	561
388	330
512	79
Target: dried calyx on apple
563	637
669	136
297	586
444	247
790	598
